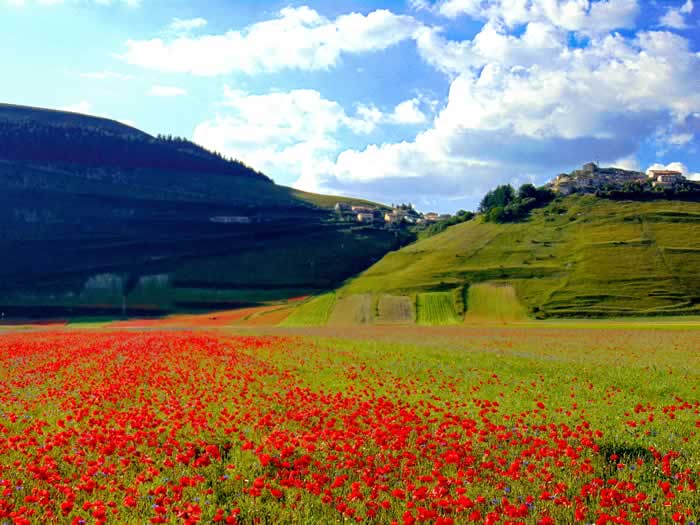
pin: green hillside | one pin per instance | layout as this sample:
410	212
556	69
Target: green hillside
313	312
98	215
580	256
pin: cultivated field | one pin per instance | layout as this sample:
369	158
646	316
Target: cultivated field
314	312
498	303
352	310
540	423
436	308
580	256
395	309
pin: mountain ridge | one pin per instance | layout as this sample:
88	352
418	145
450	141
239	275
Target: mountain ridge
88	202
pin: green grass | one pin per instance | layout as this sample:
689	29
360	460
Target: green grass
584	374
314	312
579	257
494	302
317	258
99	321
436	308
552	397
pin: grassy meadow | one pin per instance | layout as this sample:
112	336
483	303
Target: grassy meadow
580	256
313	312
533	422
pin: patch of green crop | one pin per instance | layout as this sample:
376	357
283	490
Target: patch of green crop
494	301
436	308
314	312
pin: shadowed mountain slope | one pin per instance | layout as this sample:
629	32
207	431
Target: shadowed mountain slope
96	214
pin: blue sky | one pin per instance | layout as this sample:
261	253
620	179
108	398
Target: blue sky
426	101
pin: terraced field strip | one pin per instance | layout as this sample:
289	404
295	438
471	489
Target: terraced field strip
314	312
395	309
436	308
497	302
353	310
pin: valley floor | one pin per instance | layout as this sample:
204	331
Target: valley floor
222	419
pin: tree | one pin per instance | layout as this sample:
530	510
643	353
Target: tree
501	197
527	191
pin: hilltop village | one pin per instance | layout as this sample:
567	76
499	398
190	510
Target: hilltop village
397	215
591	179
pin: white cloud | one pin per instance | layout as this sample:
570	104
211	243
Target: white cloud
408	112
680	139
524	102
539	43
80	107
420	5
369	116
521	107
180	25
283	133
166	91
675	17
627	163
299	38
106	75
584	16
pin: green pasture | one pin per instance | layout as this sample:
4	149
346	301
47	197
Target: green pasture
313	312
581	256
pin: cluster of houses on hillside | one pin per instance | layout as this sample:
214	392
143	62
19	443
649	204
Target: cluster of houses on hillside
592	178
396	216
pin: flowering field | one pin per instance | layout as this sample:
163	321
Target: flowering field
187	427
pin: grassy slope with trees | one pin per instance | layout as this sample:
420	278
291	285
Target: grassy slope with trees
93	210
576	256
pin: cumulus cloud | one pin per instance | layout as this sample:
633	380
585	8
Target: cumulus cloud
675	17
584	16
299	38
627	163
544	85
166	91
283	133
180	25
529	106
408	112
539	43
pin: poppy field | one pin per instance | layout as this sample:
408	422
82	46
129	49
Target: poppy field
555	426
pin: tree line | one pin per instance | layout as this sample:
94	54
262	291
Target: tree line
50	143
